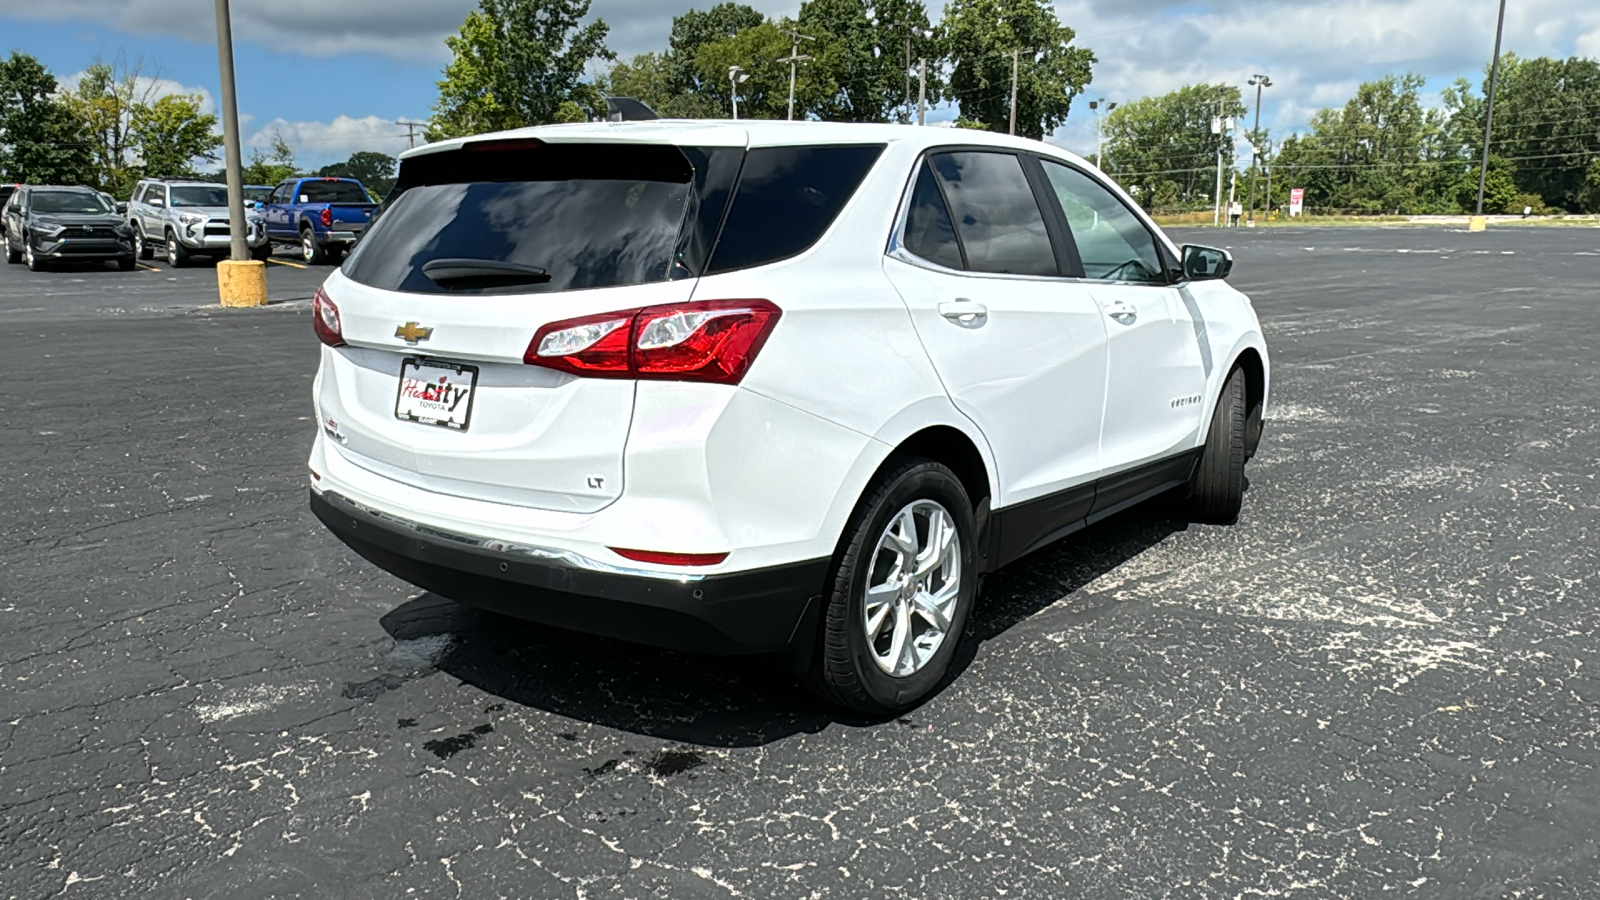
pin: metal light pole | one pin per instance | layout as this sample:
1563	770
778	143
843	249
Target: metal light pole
922	91
1258	82
1488	118
1099	149
736	76
241	281
1220	126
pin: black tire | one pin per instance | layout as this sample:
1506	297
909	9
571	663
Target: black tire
126	264
262	253
1216	490
311	251
843	669
13	255
177	254
141	247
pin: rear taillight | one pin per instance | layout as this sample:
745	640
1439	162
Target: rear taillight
327	217
670	559
325	320
709	340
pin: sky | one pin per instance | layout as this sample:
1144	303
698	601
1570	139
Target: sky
334	77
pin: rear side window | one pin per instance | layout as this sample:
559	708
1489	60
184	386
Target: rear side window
332	192
996	213
787	198
929	231
529	219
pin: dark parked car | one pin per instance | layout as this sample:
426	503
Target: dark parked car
48	223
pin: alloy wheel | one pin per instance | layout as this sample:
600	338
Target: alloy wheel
172	251
912	588
308	247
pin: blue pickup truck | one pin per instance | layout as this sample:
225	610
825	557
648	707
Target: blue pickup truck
322	217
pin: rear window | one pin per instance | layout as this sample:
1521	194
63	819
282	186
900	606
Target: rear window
788	196
528	217
569	217
332	192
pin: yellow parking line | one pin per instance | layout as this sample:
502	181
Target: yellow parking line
147	268
282	263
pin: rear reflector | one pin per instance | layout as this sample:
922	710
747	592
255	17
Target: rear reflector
671	559
325	320
709	340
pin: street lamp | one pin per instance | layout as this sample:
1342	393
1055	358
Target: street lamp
1099	153
1258	82
737	76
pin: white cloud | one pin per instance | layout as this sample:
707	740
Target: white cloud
317	144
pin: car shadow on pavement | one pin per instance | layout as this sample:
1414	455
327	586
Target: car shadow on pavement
730	701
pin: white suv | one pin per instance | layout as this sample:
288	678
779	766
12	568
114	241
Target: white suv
766	387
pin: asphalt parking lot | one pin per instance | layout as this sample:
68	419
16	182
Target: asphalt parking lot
1384	679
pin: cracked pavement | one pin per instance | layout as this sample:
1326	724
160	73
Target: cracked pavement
1383	679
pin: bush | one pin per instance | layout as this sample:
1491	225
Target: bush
1534	202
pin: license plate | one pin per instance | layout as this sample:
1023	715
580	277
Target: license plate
436	393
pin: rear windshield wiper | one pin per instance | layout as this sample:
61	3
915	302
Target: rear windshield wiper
482	273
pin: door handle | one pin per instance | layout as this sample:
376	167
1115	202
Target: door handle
1123	313
965	313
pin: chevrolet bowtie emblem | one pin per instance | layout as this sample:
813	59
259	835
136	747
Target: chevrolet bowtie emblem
413	332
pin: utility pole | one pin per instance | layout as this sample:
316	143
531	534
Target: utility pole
908	75
794	59
241	281
1488	118
1258	82
411	130
1014	54
922	91
1267	164
737	76
1220	126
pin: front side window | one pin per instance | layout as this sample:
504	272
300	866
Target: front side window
1113	243
996	213
200	195
787	198
69	203
929	232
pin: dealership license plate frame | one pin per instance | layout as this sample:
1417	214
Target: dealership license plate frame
413	364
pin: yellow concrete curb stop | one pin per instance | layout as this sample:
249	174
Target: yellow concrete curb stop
1478	223
242	283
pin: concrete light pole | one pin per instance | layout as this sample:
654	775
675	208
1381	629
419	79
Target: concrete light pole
241	281
1479	223
1258	82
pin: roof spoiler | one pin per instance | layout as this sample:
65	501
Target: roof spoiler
627	109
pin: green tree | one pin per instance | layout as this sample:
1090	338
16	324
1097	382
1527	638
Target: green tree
1547	121
171	133
766	94
40	139
979	37
646	78
105	99
274	166
862	46
517	63
375	171
1163	147
693	30
1589	196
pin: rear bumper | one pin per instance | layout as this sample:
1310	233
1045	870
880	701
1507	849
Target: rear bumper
766	610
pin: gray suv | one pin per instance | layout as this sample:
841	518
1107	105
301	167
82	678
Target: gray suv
186	219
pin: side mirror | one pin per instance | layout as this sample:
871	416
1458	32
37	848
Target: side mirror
157	202
1206	263
122	209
